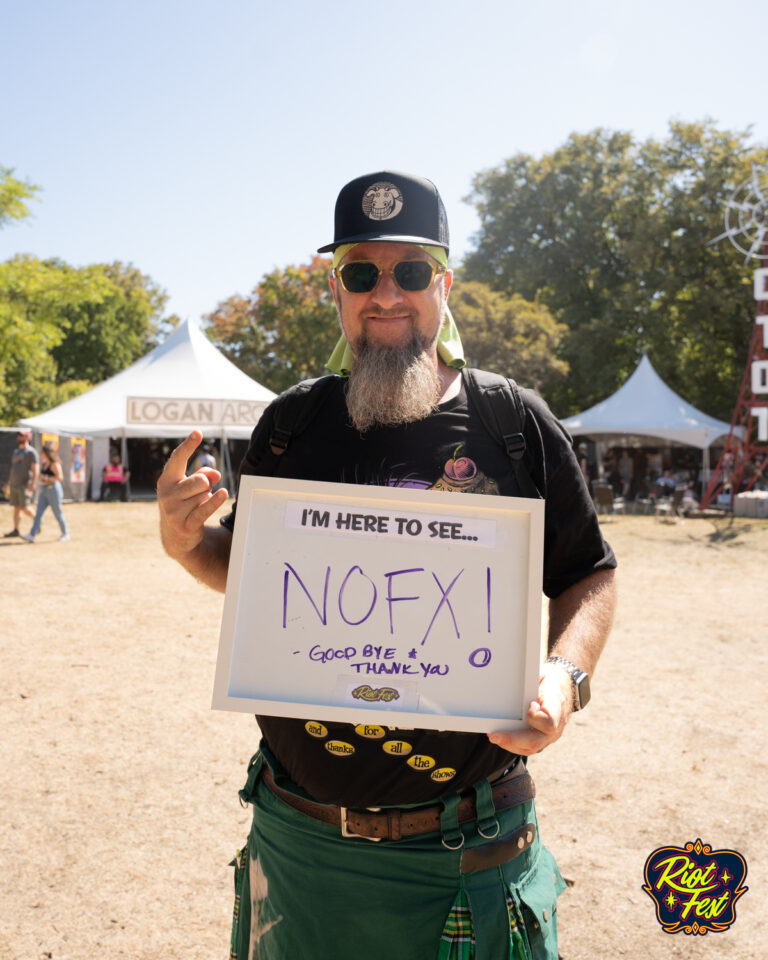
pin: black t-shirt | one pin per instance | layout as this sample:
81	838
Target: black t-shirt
449	450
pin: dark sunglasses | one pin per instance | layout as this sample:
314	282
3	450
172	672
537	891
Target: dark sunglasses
411	276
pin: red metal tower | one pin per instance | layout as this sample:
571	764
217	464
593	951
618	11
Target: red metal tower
745	458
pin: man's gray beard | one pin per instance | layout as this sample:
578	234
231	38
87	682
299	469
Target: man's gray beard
391	385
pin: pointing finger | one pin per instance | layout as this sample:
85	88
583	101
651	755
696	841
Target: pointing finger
176	467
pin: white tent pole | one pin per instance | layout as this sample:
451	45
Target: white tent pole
223	447
228	467
600	450
126	465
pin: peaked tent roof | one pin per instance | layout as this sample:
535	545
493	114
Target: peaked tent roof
646	406
187	366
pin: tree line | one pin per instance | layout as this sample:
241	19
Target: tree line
585	258
63	329
612	234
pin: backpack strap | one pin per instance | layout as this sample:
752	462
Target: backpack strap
497	401
295	409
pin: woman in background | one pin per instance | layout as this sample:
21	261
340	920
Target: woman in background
50	493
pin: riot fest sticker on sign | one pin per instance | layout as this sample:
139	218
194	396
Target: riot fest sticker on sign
401	607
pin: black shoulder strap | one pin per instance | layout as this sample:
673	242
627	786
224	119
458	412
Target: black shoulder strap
294	411
297	409
497	402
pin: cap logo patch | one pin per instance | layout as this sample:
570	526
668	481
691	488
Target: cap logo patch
382	201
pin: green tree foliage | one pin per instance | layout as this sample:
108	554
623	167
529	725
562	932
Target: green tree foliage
13	193
508	335
63	329
28	333
106	331
285	331
612	234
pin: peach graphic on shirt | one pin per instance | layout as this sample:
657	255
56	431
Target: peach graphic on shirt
460	475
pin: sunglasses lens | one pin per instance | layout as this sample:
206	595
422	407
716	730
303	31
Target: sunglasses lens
413	275
359	277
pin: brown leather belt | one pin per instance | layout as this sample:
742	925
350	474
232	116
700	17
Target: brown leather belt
393	823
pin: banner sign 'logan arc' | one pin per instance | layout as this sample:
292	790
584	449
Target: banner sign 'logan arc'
203	413
381	605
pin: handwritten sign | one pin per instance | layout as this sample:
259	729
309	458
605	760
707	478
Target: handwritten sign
371	604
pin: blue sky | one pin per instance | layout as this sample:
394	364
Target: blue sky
205	142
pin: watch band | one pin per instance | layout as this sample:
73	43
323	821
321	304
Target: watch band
580	680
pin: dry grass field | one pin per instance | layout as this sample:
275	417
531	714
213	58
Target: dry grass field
119	811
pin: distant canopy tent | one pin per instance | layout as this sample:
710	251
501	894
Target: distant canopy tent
646	407
183	383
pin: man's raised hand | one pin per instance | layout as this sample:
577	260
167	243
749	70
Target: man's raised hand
186	502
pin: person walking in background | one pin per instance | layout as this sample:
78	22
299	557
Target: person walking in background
22	479
51	493
583	459
626	472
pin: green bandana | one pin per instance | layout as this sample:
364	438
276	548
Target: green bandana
449	347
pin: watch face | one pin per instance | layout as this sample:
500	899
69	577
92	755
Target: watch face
580	681
583	690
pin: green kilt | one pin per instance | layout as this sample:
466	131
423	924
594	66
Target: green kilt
305	892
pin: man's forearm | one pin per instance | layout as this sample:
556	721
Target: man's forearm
209	561
579	623
580	619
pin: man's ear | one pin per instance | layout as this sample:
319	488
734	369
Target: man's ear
447	281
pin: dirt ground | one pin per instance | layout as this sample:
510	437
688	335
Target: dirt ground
119	811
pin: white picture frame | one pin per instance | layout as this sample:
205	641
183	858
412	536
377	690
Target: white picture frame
367	604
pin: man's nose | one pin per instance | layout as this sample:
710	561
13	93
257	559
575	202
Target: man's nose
387	291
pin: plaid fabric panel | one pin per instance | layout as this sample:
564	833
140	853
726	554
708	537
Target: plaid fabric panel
517	950
458	938
239	863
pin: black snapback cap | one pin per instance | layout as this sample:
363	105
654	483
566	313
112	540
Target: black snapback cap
391	206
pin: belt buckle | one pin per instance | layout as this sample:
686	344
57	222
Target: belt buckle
345	832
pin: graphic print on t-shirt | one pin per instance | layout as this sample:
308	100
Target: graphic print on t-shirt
460	474
396	748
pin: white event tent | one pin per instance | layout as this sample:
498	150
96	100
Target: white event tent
646	407
183	383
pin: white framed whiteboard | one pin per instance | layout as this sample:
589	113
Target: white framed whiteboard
367	604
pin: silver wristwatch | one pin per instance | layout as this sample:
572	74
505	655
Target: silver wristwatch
580	679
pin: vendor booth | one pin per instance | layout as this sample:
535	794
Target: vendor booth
183	383
646	412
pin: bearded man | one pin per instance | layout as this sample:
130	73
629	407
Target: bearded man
361	854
